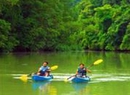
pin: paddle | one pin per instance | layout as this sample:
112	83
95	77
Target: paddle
96	62
24	77
93	64
54	67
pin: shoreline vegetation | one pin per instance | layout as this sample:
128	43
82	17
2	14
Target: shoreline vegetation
64	25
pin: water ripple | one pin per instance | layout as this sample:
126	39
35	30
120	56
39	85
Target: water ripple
95	78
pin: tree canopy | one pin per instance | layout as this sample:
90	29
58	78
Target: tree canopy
59	25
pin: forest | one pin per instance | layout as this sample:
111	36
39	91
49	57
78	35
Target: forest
63	25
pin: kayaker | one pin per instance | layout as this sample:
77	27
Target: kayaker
82	71
44	70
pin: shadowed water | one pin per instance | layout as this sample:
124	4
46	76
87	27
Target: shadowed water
107	78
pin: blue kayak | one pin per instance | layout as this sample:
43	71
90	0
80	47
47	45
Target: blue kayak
41	78
80	79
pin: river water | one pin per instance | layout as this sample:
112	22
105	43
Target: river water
111	77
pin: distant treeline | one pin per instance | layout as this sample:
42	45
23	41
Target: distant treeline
59	25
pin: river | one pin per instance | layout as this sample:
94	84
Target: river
111	77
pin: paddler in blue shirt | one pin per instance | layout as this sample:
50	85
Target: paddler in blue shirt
82	71
44	70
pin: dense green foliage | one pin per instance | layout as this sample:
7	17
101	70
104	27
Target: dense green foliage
32	25
105	24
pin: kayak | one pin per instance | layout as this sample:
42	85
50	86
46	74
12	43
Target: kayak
42	78
80	79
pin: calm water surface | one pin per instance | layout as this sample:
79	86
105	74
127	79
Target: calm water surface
112	77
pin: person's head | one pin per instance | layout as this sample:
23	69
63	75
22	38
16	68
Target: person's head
81	65
45	63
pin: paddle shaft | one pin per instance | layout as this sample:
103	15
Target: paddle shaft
71	77
90	65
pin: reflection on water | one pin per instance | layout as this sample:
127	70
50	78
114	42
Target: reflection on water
56	87
52	88
106	79
45	88
40	85
80	88
48	88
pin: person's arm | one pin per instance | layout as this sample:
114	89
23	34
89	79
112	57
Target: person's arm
87	70
76	72
48	69
38	72
39	69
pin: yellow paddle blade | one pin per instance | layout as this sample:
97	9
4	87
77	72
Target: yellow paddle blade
54	67
65	80
98	62
24	78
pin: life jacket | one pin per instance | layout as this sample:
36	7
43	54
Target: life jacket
82	72
44	68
